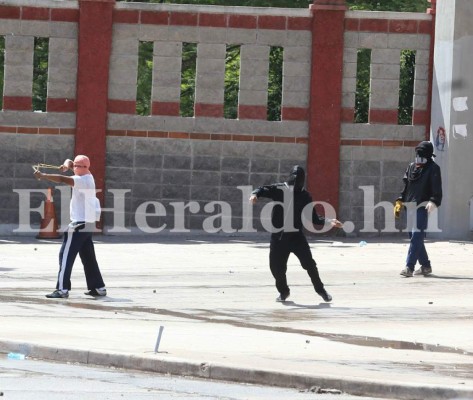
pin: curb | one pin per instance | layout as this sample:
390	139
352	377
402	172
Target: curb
180	367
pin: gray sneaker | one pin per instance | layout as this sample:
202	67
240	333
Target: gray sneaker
407	272
423	271
58	294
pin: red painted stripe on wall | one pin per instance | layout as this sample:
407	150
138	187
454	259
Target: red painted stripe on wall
35	13
60	105
165	108
420	117
208	110
213	20
8	129
27	129
294	113
299	23
347	114
154	18
425	27
18	103
379	143
403	26
208	136
352	24
184	18
374	25
252	112
126	16
383	116
272	22
64	15
9	12
387	26
242	21
121	106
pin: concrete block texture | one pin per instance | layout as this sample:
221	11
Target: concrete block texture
408	41
18	75
384	93
302	54
63	30
385	56
9	26
295	98
35	28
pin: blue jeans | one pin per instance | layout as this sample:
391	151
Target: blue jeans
417	250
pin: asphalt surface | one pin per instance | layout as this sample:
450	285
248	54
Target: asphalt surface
383	335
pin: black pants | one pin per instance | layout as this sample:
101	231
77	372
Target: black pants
78	241
281	246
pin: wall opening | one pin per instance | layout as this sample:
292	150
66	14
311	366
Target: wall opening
144	78
363	86
40	73
2	68
188	72
232	81
276	56
406	87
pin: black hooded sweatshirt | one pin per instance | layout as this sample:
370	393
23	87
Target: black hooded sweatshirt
422	184
299	198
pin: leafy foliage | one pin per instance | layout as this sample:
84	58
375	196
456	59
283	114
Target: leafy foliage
232	81
189	62
144	80
40	73
406	89
275	83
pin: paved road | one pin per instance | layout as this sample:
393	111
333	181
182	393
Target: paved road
38	380
383	335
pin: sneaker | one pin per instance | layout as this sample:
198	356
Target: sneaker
283	296
96	292
58	294
326	296
407	272
423	271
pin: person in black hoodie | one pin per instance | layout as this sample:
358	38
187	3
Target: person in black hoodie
288	236
423	187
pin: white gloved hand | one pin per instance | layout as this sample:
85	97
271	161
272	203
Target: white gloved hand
430	207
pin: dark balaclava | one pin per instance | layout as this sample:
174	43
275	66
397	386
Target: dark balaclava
297	178
424	152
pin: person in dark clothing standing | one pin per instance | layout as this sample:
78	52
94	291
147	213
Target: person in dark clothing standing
423	188
288	237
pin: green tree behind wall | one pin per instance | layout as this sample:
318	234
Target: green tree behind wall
232	75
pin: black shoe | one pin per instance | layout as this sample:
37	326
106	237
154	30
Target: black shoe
326	296
283	296
58	294
96	292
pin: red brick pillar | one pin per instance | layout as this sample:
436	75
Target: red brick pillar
95	42
323	160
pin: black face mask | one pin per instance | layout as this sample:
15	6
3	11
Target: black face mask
296	178
424	152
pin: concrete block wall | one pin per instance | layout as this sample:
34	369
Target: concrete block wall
28	137
376	154
168	158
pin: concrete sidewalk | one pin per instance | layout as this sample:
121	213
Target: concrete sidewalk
383	335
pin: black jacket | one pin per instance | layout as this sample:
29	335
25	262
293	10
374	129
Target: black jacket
422	184
298	199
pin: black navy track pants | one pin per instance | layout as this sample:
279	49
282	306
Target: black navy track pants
78	241
281	246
